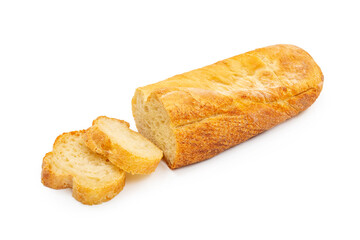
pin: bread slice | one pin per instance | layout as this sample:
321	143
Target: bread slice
125	148
195	115
71	164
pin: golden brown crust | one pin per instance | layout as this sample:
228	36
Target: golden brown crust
101	143
216	134
55	178
221	105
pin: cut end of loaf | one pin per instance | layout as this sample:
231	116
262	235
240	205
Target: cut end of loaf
153	122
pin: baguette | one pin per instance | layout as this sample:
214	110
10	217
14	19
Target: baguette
125	148
198	114
71	164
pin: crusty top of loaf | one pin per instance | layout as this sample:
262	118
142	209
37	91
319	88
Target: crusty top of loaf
266	75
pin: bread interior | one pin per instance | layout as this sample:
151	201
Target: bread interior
131	141
71	156
153	122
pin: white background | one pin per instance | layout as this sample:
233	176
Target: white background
63	63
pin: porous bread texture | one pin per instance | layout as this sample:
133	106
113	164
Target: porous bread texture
153	122
124	147
71	164
198	114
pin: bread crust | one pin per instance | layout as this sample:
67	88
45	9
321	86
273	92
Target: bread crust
221	105
53	177
101	143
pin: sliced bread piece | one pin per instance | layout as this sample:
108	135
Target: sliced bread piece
125	148
71	164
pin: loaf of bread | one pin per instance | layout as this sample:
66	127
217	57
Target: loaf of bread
71	164
126	149
198	114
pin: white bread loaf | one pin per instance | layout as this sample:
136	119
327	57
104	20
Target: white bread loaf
198	114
